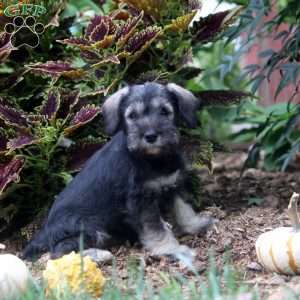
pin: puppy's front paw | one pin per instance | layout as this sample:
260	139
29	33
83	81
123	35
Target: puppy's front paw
98	255
199	224
185	255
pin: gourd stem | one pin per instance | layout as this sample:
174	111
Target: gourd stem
293	213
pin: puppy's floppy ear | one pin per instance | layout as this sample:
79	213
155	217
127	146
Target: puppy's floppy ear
110	110
187	104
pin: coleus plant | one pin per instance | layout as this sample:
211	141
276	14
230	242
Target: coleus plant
61	114
134	41
157	34
34	141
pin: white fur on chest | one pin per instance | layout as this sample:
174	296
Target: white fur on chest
161	182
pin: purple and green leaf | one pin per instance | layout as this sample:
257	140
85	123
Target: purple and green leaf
68	101
9	171
208	28
51	105
78	42
89	55
21	141
51	68
96	21
141	40
125	31
99	32
84	116
12	116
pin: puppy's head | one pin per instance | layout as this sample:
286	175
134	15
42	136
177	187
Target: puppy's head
149	115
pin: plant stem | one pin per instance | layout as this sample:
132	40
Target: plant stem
293	213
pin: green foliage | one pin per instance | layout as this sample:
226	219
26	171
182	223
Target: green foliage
276	129
51	95
218	111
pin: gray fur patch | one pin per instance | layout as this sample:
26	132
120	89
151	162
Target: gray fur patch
188	221
163	181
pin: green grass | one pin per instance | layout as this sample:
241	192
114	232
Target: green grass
213	285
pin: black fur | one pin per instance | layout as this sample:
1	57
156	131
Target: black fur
109	199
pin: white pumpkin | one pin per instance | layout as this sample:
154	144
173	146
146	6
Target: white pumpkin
279	250
14	276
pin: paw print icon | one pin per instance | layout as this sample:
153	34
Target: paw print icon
24	32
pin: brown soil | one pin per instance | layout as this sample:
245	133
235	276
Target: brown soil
233	200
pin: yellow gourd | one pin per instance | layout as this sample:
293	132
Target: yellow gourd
279	250
79	274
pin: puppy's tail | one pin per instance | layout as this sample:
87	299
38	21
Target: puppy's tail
37	246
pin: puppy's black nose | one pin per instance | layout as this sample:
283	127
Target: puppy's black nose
150	137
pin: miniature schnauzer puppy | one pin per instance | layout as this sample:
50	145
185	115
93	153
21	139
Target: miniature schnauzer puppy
126	187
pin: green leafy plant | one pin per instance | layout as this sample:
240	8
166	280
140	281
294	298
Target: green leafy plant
275	132
276	129
38	144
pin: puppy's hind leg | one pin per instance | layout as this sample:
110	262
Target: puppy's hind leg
160	240
97	254
73	244
64	247
157	237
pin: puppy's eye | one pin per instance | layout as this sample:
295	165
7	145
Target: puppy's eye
133	115
164	111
